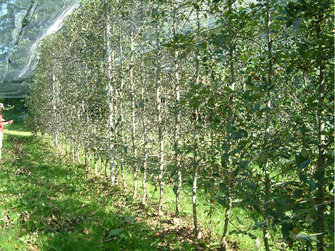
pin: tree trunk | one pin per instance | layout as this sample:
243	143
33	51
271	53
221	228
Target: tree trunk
196	137
133	118
267	182
145	154
320	172
160	122
121	108
143	110
195	176
177	120
224	244
110	61
320	221
54	107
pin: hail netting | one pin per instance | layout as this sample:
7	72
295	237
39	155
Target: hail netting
23	24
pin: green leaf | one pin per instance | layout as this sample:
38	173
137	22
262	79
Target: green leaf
240	134
312	184
223	186
305	163
249	185
249	80
222	202
115	232
302	160
302	235
252	236
256	108
303	178
129	219
318	175
25	202
244	164
289	23
304	153
237	232
175	189
297	194
286	228
302	2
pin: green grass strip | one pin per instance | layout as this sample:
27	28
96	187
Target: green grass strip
50	203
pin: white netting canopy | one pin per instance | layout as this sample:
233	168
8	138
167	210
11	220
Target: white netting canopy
23	23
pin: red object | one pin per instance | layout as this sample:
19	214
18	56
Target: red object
1	123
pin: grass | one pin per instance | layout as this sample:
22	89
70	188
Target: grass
16	130
238	216
48	202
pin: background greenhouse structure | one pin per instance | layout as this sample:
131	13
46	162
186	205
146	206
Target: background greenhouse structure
23	25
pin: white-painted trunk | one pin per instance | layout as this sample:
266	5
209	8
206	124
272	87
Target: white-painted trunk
110	59
177	121
196	139
160	122
133	115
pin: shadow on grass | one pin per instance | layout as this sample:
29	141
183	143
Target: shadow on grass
17	127
48	203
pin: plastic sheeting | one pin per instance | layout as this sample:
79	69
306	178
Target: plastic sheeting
23	24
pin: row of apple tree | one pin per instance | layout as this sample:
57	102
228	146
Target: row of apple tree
232	99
